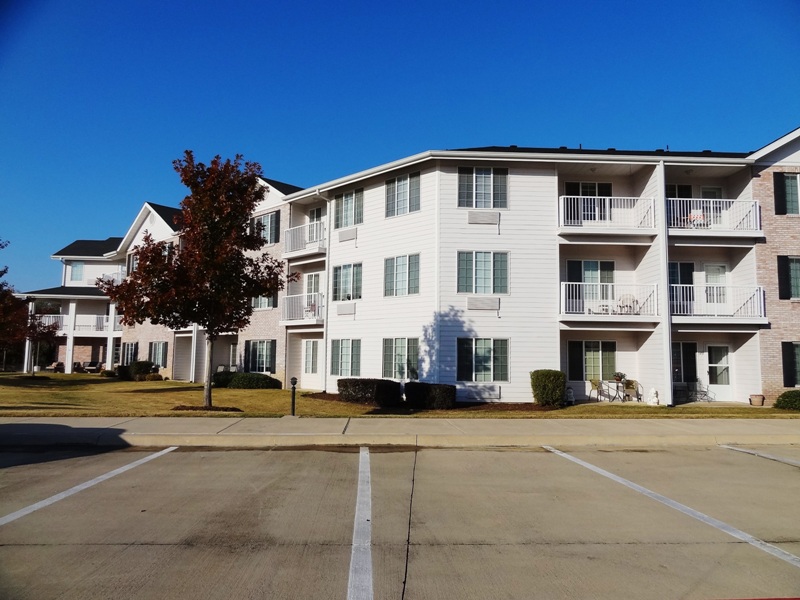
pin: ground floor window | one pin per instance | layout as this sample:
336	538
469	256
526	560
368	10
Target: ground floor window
129	353
482	359
346	358
260	356
591	359
157	353
311	350
401	358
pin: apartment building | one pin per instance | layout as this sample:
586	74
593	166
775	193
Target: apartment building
474	267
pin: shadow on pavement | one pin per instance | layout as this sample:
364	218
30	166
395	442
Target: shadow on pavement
43	442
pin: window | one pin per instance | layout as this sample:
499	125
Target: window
788	277
591	360
259	356
133	263
679	190
595	204
684	362
310	361
349	210
401	275
786	186
157	353
401	358
590	283
76	272
483	272
346	358
269	226
260	302
482	359
130	352
790	352
482	187
233	358
347	282
402	195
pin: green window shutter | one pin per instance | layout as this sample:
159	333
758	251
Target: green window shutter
413	193
388	277
779	189
391	198
388	356
500	188
355	358
413	274
500	273
412	360
464	359
335	351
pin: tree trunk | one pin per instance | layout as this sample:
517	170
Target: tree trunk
209	374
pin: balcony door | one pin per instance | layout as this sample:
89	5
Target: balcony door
312	295
590	286
596	198
314	218
681	288
713	209
716	289
719	375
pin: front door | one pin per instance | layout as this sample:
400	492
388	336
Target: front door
719	374
716	289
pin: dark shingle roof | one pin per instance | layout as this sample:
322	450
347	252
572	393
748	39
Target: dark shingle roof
168	213
90	247
609	151
283	188
64	290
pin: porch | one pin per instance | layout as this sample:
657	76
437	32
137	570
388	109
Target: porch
717	301
599	300
84	325
692	216
305	240
303	309
612	214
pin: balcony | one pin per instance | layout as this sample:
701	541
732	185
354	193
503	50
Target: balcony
609	215
690	303
608	300
85	325
305	240
698	216
303	309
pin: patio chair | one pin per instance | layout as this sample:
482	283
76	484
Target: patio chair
628	305
596	389
631	390
699	392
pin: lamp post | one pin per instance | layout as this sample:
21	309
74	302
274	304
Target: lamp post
293	381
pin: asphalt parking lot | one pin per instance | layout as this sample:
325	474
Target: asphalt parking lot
700	522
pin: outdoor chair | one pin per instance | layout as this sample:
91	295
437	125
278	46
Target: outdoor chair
596	389
699	392
631	390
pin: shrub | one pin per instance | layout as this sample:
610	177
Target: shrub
251	381
431	396
789	400
105	373
124	373
380	392
141	367
222	379
548	387
153	377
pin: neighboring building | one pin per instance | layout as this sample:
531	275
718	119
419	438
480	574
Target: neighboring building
474	267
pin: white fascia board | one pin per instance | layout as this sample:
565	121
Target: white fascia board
769	148
137	223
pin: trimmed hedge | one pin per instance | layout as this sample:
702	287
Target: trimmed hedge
141	367
124	373
430	396
222	379
380	392
789	400
548	387
153	377
107	373
251	381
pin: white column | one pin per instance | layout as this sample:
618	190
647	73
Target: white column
665	396
69	329
193	360
28	368
110	336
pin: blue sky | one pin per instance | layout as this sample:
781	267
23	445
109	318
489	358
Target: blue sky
98	98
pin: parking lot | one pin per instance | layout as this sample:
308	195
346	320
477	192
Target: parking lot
700	522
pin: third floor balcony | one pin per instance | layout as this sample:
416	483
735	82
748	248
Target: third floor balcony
305	240
606	215
717	216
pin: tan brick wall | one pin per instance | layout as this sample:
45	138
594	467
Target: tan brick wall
146	333
782	233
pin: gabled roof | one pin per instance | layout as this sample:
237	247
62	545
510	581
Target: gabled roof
607	152
283	188
65	291
168	213
89	248
772	146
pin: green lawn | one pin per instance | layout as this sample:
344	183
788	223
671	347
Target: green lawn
89	395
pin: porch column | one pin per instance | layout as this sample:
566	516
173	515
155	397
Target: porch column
110	336
28	364
69	329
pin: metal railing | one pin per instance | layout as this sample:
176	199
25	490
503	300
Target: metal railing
715	214
302	306
716	301
608	299
606	212
83	323
305	237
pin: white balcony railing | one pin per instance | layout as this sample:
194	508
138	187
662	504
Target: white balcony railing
608	299
302	307
590	212
83	323
717	301
306	237
717	214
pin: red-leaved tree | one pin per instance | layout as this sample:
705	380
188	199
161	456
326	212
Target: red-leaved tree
211	275
13	315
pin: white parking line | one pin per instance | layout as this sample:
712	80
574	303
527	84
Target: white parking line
786	461
359	587
724	527
79	488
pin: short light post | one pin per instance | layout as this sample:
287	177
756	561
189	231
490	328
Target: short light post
293	381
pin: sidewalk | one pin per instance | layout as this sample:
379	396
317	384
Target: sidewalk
420	433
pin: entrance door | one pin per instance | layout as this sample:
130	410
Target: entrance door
593	289
716	289
312	299
719	374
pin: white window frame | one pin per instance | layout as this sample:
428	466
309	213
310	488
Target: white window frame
347	282
346	357
158	353
401	275
484	367
793	205
348	209
401	358
264	302
261	359
403	194
311	356
483	187
76	270
269	226
482	268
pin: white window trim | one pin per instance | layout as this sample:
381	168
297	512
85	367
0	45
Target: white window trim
474	281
